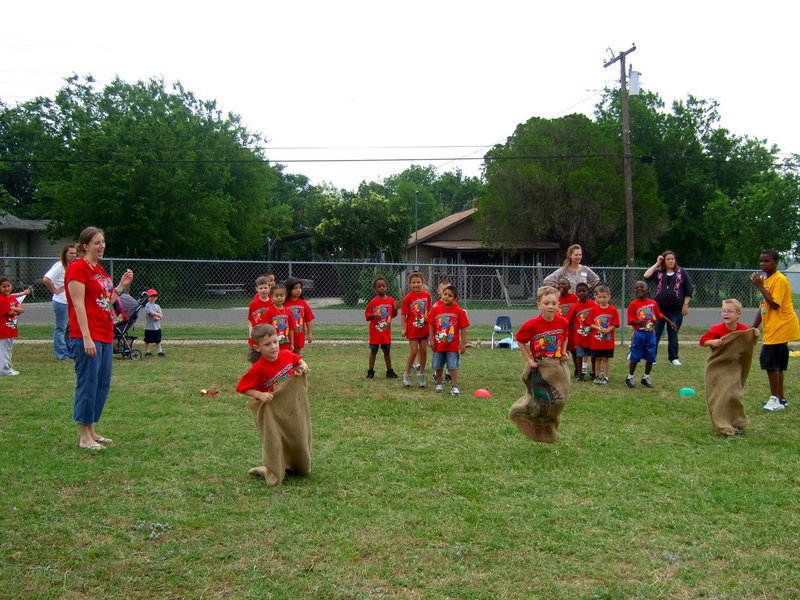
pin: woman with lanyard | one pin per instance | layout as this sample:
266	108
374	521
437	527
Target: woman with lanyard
90	297
54	280
573	271
673	293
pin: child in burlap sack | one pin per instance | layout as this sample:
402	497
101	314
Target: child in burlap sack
727	368
537	414
278	391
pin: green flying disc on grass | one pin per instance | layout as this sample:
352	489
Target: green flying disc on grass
686	392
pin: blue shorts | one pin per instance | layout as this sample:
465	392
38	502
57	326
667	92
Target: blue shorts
451	359
643	346
374	347
582	351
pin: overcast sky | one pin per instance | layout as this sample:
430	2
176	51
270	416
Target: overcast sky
422	80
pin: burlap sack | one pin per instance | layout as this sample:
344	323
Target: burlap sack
284	426
725	375
537	414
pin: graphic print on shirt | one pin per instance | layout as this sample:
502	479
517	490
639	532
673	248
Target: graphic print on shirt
279	376
546	345
383	313
445	328
582	322
257	315
104	299
281	325
602	321
645	313
297	312
419	312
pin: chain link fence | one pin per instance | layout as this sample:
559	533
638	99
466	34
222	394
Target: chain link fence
348	285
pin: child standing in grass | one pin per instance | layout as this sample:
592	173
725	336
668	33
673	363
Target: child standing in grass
776	311
580	332
152	325
302	313
447	336
603	320
10	309
280	317
643	313
727	368
255	312
379	314
415	308
284	426
566	300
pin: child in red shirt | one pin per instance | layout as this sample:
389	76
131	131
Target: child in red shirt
643	312
731	313
603	320
280	317
256	310
578	315
379	314
548	334
273	366
302	313
447	336
10	309
414	309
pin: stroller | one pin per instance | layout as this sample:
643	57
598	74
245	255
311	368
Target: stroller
127	309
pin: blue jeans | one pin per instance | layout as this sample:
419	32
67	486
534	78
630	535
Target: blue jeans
672	336
60	332
93	380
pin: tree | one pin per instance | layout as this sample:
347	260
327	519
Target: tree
561	180
164	171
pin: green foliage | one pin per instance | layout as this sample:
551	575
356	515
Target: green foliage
560	180
726	195
164	171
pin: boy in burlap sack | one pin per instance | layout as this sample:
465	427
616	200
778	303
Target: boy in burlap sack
537	414
278	391
727	368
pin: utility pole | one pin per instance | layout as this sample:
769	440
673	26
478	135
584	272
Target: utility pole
416	229
626	146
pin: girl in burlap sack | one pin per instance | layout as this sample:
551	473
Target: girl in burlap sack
537	414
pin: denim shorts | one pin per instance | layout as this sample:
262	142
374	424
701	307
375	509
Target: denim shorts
582	351
451	359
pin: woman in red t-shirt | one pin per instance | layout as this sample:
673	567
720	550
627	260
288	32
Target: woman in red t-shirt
90	298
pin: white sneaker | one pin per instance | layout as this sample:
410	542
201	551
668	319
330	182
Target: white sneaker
421	379
676	363
774	404
406	380
455	391
439	387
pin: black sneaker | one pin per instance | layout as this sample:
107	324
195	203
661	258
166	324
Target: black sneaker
647	383
390	374
447	377
148	354
580	377
592	375
631	383
370	374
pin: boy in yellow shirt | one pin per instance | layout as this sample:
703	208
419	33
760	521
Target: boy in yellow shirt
781	326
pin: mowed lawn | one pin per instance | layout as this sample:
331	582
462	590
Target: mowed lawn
413	494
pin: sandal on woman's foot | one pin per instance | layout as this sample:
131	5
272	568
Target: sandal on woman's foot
102	440
93	447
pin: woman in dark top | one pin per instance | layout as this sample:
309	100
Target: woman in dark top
673	293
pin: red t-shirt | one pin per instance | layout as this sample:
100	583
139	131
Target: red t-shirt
603	317
415	308
282	320
565	303
302	314
578	317
98	290
8	322
645	309
264	374
545	337
379	313
447	323
720	330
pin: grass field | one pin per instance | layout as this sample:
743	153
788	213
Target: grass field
413	494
